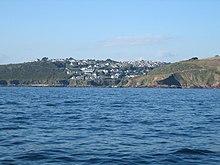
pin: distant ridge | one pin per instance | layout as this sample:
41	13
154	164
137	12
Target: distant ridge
192	73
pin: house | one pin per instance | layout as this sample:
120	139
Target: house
116	76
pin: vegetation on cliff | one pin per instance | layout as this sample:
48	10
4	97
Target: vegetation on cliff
202	73
31	73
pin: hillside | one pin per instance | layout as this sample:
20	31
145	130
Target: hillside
203	73
72	72
32	73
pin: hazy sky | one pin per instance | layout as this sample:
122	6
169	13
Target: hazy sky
164	30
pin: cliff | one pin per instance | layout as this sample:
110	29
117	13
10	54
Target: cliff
193	73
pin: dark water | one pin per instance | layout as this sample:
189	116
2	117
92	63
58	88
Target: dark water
109	126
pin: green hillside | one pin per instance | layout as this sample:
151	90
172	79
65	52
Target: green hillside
190	73
40	72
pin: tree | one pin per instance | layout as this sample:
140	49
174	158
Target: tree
14	82
64	82
194	58
44	59
3	82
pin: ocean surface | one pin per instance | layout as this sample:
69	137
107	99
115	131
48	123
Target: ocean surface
106	126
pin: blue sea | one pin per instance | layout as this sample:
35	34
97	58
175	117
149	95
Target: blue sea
105	126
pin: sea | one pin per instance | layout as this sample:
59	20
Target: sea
109	126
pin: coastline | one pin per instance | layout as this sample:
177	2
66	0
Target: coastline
83	86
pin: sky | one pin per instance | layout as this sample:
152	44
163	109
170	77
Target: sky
159	30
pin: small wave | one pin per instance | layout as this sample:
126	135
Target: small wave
117	106
33	156
7	161
146	122
21	118
18	143
12	103
65	159
192	151
71	101
51	104
11	128
157	154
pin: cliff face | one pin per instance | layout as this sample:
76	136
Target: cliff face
170	81
204	73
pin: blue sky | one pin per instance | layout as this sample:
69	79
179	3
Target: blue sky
162	30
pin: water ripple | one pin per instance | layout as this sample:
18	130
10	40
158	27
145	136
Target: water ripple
109	126
193	151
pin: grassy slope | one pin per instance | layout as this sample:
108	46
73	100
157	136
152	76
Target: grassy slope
190	73
32	72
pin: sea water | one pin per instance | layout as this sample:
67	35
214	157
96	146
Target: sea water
48	125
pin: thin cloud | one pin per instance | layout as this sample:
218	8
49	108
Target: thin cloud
134	40
164	54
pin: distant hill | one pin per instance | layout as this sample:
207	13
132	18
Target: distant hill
33	73
200	73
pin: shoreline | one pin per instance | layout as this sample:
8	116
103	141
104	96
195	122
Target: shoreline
72	86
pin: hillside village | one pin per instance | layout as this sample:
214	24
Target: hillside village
97	72
73	72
